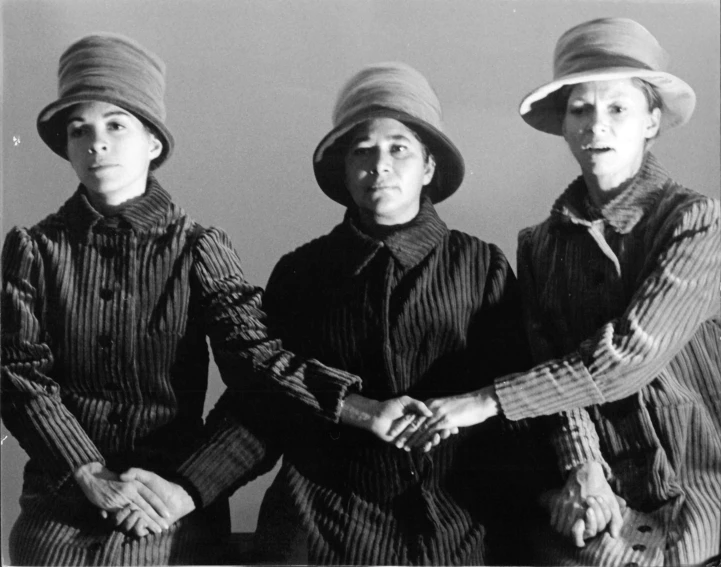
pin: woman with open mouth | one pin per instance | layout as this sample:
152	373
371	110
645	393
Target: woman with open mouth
621	290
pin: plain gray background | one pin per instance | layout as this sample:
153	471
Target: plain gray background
251	85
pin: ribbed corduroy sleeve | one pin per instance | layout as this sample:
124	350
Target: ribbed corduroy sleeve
573	434
32	407
679	292
251	364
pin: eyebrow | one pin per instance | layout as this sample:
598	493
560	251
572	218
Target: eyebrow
106	115
364	137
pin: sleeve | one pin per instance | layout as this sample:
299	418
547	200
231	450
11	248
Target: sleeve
679	293
32	407
238	445
573	435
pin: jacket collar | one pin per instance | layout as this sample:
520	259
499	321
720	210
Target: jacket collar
408	245
622	213
142	213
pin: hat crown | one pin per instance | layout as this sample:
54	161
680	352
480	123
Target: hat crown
394	86
105	62
605	43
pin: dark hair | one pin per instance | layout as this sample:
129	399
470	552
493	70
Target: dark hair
60	121
343	143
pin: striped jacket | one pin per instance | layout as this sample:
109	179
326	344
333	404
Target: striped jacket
424	311
622	313
104	326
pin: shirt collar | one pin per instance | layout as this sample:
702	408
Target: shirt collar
623	212
142	213
408	246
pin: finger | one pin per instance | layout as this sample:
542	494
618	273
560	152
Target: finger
400	424
604	517
590	520
415	406
446	433
412	427
621	504
142	504
158	504
104	514
120	516
436	439
422	435
616	519
577	532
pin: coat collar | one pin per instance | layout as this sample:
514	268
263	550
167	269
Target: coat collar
622	213
142	213
408	245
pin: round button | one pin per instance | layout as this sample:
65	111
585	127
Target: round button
106	294
644	529
639	547
105	341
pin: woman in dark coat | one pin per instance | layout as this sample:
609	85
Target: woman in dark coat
621	286
414	308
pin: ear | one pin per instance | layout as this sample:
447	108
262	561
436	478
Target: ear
156	146
653	123
430	169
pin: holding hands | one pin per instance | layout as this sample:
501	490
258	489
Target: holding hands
585	506
137	501
410	423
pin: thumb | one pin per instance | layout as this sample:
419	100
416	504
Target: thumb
579	526
416	406
614	526
133	474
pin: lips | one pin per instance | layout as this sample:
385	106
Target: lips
100	166
595	149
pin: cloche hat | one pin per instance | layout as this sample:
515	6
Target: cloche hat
606	49
108	68
388	90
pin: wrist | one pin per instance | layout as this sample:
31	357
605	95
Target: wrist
85	472
489	404
358	411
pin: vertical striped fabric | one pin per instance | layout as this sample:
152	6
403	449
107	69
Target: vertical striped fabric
623	314
423	311
104	326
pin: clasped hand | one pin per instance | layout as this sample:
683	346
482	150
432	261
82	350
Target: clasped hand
410	423
585	506
137	501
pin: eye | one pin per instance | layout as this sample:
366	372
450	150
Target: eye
115	125
618	109
576	110
75	132
360	151
399	149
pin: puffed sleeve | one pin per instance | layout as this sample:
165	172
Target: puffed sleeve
32	407
680	291
251	364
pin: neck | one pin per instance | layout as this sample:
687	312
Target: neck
109	203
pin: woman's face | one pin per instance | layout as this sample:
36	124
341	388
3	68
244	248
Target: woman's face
606	126
386	170
110	150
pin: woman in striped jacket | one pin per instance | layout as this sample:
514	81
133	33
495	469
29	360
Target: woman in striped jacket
621	287
413	308
107	308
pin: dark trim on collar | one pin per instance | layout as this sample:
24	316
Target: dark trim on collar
142	214
408	246
623	212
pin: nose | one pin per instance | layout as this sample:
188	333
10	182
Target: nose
382	161
98	144
598	121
